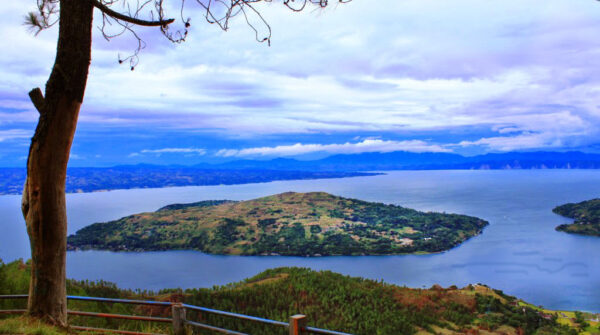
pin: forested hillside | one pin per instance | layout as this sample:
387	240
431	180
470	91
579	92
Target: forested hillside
329	300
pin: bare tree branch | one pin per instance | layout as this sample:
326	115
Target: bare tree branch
218	12
132	20
37	98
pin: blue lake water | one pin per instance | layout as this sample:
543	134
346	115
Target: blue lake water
519	252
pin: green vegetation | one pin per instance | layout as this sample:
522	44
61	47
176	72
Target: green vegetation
27	326
362	306
14	279
586	215
329	300
585	323
290	223
206	203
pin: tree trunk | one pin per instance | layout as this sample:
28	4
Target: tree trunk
43	204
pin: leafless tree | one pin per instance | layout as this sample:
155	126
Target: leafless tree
43	203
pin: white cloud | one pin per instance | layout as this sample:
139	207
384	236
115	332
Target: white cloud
29	116
369	145
197	151
519	142
12	134
542	130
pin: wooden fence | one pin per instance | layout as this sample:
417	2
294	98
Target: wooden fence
297	324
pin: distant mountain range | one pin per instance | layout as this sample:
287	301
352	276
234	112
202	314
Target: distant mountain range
89	179
400	160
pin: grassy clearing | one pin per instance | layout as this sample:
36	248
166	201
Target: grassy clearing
568	318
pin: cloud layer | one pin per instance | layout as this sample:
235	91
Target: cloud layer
506	75
369	145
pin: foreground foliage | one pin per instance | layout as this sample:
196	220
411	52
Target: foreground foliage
14	279
27	326
311	224
329	300
586	215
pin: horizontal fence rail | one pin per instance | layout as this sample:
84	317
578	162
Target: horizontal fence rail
120	301
313	330
101	330
236	315
14	296
296	325
213	328
121	316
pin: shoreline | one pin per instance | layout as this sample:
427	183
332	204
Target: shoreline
350	175
366	173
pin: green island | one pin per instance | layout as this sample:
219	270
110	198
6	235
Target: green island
329	300
298	224
586	215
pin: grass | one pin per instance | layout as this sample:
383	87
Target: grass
24	325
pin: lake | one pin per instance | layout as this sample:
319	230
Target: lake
519	252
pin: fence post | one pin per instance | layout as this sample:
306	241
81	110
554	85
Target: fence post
297	323
178	319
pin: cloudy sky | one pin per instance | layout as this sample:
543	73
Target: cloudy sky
463	76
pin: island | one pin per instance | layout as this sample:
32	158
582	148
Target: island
586	215
291	224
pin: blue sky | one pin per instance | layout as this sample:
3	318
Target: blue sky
463	76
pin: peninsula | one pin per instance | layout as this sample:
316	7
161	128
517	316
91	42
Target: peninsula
97	179
292	224
586	215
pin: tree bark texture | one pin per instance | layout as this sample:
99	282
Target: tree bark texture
43	205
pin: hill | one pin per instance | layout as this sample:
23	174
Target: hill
362	306
290	223
586	215
329	300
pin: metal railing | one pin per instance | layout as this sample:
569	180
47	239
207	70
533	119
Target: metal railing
297	324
